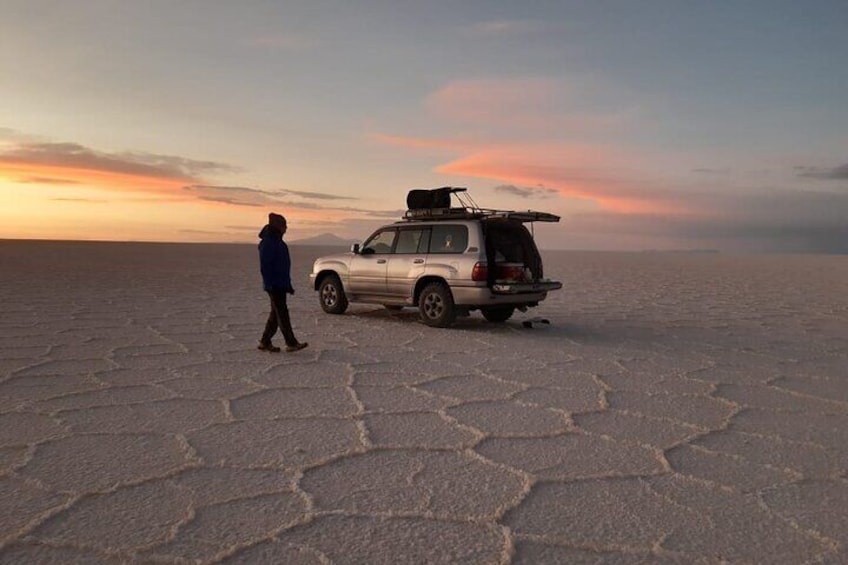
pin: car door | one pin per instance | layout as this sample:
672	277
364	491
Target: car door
407	263
368	267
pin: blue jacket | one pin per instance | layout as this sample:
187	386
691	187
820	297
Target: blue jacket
274	261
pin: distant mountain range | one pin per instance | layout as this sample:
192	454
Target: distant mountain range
326	239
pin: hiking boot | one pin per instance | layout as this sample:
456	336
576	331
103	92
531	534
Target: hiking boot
296	346
270	347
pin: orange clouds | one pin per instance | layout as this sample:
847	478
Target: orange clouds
601	174
63	164
520	131
66	190
593	173
71	173
37	173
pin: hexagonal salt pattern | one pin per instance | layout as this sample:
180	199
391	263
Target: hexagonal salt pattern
677	409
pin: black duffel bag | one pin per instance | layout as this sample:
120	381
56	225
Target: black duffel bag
422	199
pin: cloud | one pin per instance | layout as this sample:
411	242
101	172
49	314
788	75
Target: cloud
606	175
709	171
48	163
45	180
234	195
132	175
244	196
9	134
596	173
89	200
764	220
253	197
639	208
226	200
533	118
835	173
317	195
73	156
362	211
538	192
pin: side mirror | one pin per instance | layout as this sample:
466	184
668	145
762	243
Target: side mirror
354	248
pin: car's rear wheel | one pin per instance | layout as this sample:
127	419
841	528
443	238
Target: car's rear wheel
332	296
498	314
436	307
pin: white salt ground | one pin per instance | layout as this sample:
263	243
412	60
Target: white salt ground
678	409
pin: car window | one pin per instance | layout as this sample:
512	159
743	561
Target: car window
449	239
380	243
410	241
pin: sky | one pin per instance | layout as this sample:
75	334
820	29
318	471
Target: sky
660	124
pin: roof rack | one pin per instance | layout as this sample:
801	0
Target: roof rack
431	214
469	210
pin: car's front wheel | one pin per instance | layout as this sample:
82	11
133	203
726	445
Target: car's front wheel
498	314
332	296
436	306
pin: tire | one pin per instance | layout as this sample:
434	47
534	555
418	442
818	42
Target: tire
331	295
498	315
435	305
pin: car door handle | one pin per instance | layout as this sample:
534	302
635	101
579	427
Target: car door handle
380	261
417	261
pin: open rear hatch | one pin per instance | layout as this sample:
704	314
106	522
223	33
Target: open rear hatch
511	249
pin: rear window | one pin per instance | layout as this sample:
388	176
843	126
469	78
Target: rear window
449	239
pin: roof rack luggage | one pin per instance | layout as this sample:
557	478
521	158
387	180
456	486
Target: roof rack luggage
435	204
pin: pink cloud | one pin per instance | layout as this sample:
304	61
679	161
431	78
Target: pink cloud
606	175
595	173
532	121
611	177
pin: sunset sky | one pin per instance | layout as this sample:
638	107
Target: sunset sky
645	125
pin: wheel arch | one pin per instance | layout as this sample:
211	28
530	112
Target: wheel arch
323	274
424	281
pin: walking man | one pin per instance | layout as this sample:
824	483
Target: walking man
275	265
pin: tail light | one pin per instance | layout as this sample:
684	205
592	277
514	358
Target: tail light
503	272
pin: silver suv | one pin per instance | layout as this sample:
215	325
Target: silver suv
445	261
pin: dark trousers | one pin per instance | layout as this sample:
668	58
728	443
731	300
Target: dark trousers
278	319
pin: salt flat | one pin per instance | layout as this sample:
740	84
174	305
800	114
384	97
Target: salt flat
680	408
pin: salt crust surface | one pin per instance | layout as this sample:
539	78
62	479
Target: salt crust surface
678	409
